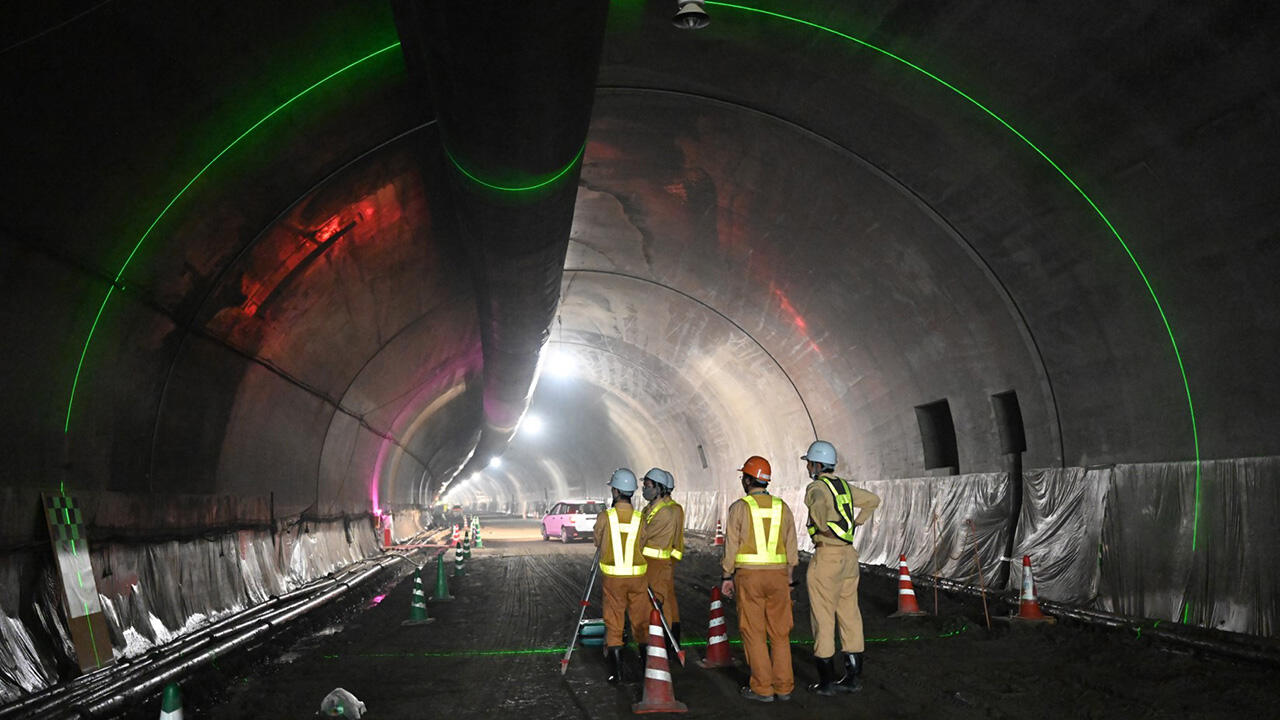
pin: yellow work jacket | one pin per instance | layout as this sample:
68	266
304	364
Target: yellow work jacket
664	530
619	531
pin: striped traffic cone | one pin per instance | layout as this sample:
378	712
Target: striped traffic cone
458	558
418	606
457	536
658	696
466	543
442	582
171	703
1029	606
907	606
479	541
717	639
719	538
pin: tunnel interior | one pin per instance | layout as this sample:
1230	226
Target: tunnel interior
284	276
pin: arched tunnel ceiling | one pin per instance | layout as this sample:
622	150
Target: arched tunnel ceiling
778	230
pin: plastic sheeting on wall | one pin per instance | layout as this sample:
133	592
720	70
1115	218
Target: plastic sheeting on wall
22	668
1117	539
154	592
1060	528
1230	581
954	526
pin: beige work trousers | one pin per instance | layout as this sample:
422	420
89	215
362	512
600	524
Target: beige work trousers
764	612
662	580
833	600
623	595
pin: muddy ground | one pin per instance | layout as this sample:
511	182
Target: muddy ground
495	652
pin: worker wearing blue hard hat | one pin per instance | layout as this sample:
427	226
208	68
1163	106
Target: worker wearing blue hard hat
832	579
620	533
663	542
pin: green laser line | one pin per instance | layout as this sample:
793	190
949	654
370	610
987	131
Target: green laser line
514	188
115	282
560	650
1159	308
88	620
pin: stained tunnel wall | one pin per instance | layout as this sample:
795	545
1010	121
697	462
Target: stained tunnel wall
1165	118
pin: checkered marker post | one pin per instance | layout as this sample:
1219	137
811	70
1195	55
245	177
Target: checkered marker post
171	703
658	694
717	638
907	605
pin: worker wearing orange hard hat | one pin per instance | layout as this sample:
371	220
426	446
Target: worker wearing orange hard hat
758	566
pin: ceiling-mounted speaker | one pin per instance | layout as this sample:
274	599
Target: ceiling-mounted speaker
690	15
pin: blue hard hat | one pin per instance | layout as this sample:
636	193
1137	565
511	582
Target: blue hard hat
821	452
624	480
661	477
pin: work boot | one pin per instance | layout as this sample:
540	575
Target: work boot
613	661
826	676
852	680
675	632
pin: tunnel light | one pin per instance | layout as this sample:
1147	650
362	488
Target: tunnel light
690	15
476	475
495	462
533	425
560	364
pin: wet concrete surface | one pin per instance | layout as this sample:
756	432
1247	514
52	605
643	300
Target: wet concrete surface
495	651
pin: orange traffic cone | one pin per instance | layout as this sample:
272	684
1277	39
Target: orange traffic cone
907	605
717	639
719	539
658	695
1029	607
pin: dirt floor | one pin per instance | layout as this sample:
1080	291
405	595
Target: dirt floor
495	651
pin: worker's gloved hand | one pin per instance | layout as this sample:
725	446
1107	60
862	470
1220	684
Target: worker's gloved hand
726	588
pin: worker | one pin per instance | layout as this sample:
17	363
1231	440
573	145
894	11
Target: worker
759	564
832	579
619	533
663	542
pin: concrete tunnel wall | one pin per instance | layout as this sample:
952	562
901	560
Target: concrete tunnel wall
765	210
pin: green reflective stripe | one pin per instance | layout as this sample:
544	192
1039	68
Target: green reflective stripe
676	554
656	553
623	555
764	544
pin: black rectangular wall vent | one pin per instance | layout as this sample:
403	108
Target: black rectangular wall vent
1013	439
938	435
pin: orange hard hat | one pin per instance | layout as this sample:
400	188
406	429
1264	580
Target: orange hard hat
758	468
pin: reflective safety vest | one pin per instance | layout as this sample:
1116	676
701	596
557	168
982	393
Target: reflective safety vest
677	543
844	527
768	548
623	551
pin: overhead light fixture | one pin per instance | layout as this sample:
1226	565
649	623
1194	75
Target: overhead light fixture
495	462
690	15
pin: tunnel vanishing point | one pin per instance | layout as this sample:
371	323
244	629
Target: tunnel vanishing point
281	275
